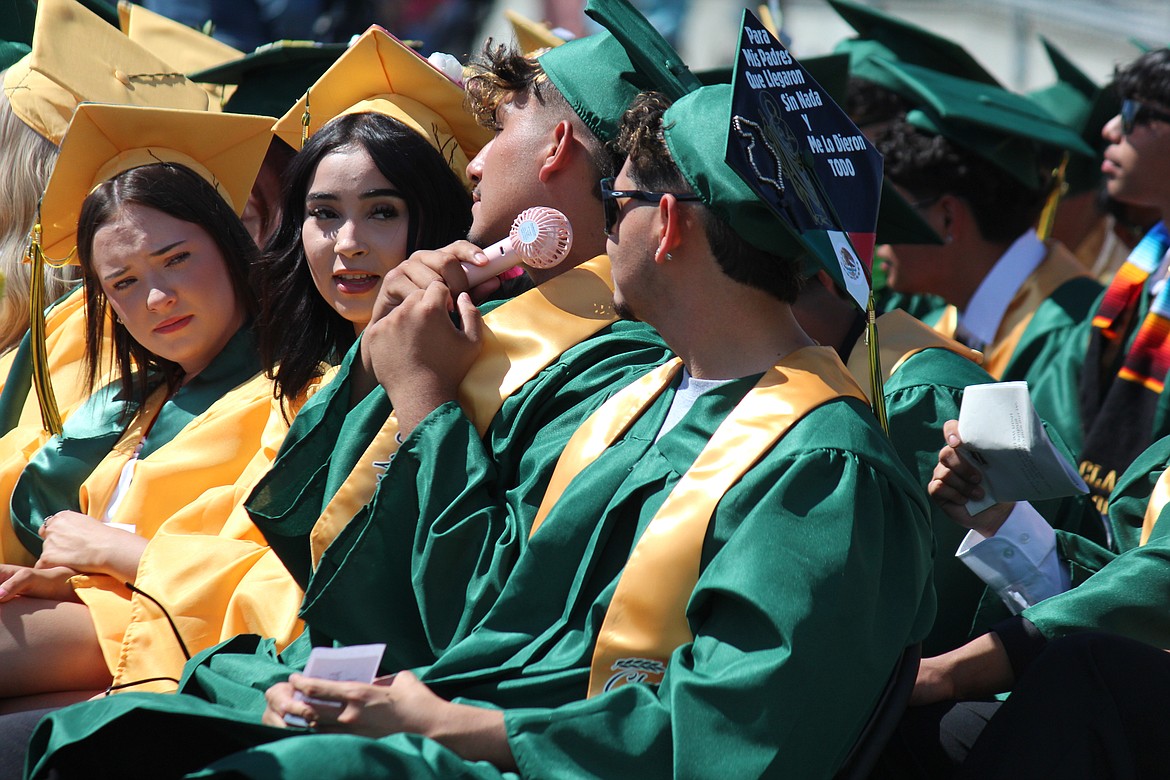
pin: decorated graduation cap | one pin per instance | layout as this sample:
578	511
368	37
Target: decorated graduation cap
272	78
77	57
1008	130
1077	102
531	36
380	74
184	48
801	158
883	36
104	141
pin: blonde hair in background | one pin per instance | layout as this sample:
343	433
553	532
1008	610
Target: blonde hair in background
26	160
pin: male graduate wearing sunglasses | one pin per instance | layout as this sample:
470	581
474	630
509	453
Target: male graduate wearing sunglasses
1124	358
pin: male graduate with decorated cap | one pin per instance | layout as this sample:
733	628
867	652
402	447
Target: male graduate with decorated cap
669	514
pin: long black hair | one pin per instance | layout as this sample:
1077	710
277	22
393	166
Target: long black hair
299	330
181	193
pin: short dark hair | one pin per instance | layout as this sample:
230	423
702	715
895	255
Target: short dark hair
298	329
499	73
652	167
1146	77
183	194
930	166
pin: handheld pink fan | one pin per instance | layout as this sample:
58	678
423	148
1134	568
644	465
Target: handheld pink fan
541	237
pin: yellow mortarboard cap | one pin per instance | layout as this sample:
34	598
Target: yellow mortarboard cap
92	62
105	140
532	36
379	74
38	101
184	48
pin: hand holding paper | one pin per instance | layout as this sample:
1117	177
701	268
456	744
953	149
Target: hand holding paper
357	663
1004	438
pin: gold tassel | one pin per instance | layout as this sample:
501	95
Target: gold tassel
305	121
50	416
876	382
1059	188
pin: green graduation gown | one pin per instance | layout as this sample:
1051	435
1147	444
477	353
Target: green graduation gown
814	576
1124	591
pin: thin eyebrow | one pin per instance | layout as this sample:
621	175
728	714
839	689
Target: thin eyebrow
380	193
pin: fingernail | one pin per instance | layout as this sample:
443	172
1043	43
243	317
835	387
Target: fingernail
953	440
480	258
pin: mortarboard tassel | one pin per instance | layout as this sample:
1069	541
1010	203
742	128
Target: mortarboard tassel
1059	188
50	416
875	365
305	118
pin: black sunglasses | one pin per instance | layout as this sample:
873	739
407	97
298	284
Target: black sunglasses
613	212
1135	112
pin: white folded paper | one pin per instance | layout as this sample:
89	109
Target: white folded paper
356	663
1004	438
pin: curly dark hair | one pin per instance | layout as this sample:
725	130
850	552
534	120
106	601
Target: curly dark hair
181	193
1147	77
930	166
868	103
652	168
298	329
500	72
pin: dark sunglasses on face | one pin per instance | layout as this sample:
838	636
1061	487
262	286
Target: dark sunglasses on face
1135	112
613	210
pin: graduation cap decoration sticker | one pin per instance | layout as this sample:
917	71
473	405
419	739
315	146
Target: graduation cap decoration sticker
802	155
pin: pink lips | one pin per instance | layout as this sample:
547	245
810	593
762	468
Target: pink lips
173	324
356	283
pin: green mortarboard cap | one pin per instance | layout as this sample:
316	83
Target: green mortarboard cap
596	78
11	51
652	56
1004	128
272	78
884	36
17	21
1081	105
696	129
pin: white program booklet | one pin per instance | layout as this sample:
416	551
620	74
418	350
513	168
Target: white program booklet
356	663
1004	438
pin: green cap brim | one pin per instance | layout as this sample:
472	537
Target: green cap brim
596	78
